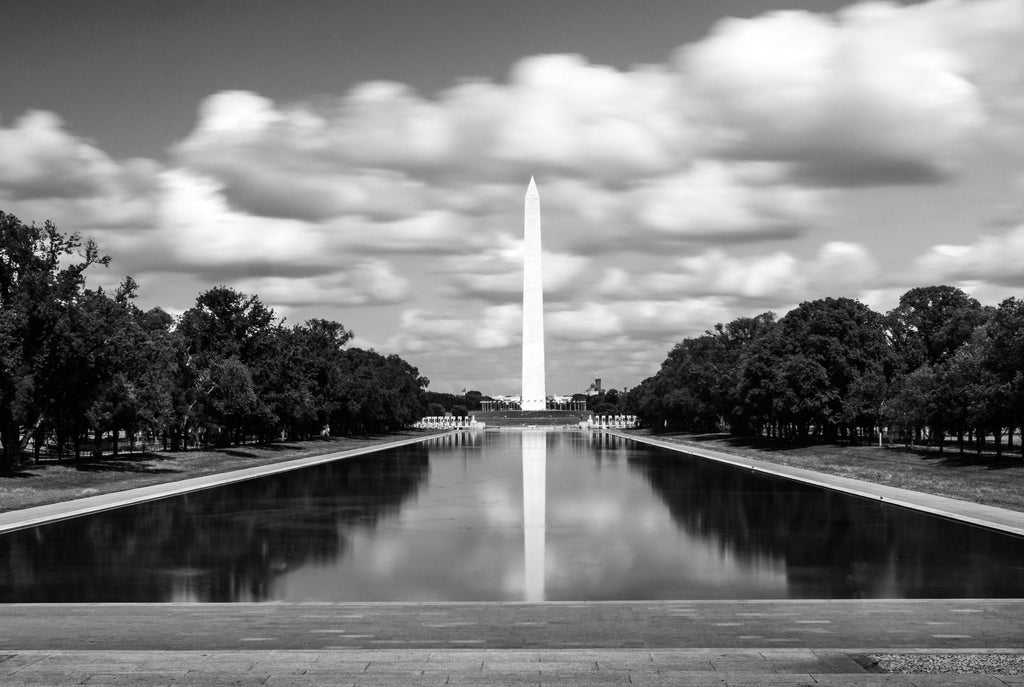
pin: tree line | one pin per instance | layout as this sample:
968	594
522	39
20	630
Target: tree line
937	366
78	364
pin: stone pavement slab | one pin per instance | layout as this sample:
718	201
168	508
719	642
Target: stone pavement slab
728	643
423	667
779	624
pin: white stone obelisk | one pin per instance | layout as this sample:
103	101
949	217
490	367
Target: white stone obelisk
533	395
535	464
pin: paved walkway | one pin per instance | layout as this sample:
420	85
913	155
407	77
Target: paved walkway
467	667
967	511
652	643
932	624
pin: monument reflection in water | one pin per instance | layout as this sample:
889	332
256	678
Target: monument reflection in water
535	465
509	516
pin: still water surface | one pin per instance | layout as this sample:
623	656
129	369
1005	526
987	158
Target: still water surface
509	516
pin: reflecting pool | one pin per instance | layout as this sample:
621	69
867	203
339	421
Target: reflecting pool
510	516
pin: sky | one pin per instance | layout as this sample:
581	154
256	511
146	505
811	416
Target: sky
366	161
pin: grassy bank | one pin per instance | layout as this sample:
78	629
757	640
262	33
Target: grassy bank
985	479
50	482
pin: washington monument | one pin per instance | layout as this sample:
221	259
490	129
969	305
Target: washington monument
533	394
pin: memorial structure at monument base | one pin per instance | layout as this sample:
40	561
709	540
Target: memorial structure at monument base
532	418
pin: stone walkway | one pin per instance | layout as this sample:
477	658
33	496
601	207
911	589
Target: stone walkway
883	624
706	667
644	643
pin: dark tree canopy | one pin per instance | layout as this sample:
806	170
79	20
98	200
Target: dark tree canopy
78	364
931	323
834	368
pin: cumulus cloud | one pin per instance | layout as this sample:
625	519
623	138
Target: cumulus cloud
373	282
992	259
879	93
199	229
589	120
288	162
38	158
558	113
585	325
876	94
639	319
716	201
47	172
839	268
433	231
725	142
842	268
587	322
421	330
496	273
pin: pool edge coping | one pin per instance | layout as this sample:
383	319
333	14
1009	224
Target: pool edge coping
1010	522
34	516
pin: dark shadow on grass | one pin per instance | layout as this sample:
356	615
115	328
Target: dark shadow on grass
19	473
240	452
117	466
141	463
236	453
968	460
755	443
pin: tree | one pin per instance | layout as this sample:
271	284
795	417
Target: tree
41	280
232	402
322	346
804	394
756	385
698	385
109	347
160	356
911	403
75	360
378	393
474	400
225	323
930	324
846	339
224	332
1004	359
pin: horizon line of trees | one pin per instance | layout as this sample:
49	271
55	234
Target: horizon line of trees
77	364
938	365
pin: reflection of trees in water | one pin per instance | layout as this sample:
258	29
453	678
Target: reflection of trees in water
225	544
833	545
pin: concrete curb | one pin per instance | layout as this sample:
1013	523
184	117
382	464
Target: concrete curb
990	517
41	515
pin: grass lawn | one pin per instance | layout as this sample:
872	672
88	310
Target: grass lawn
51	482
986	479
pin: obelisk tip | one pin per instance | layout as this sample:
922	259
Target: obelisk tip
531	190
